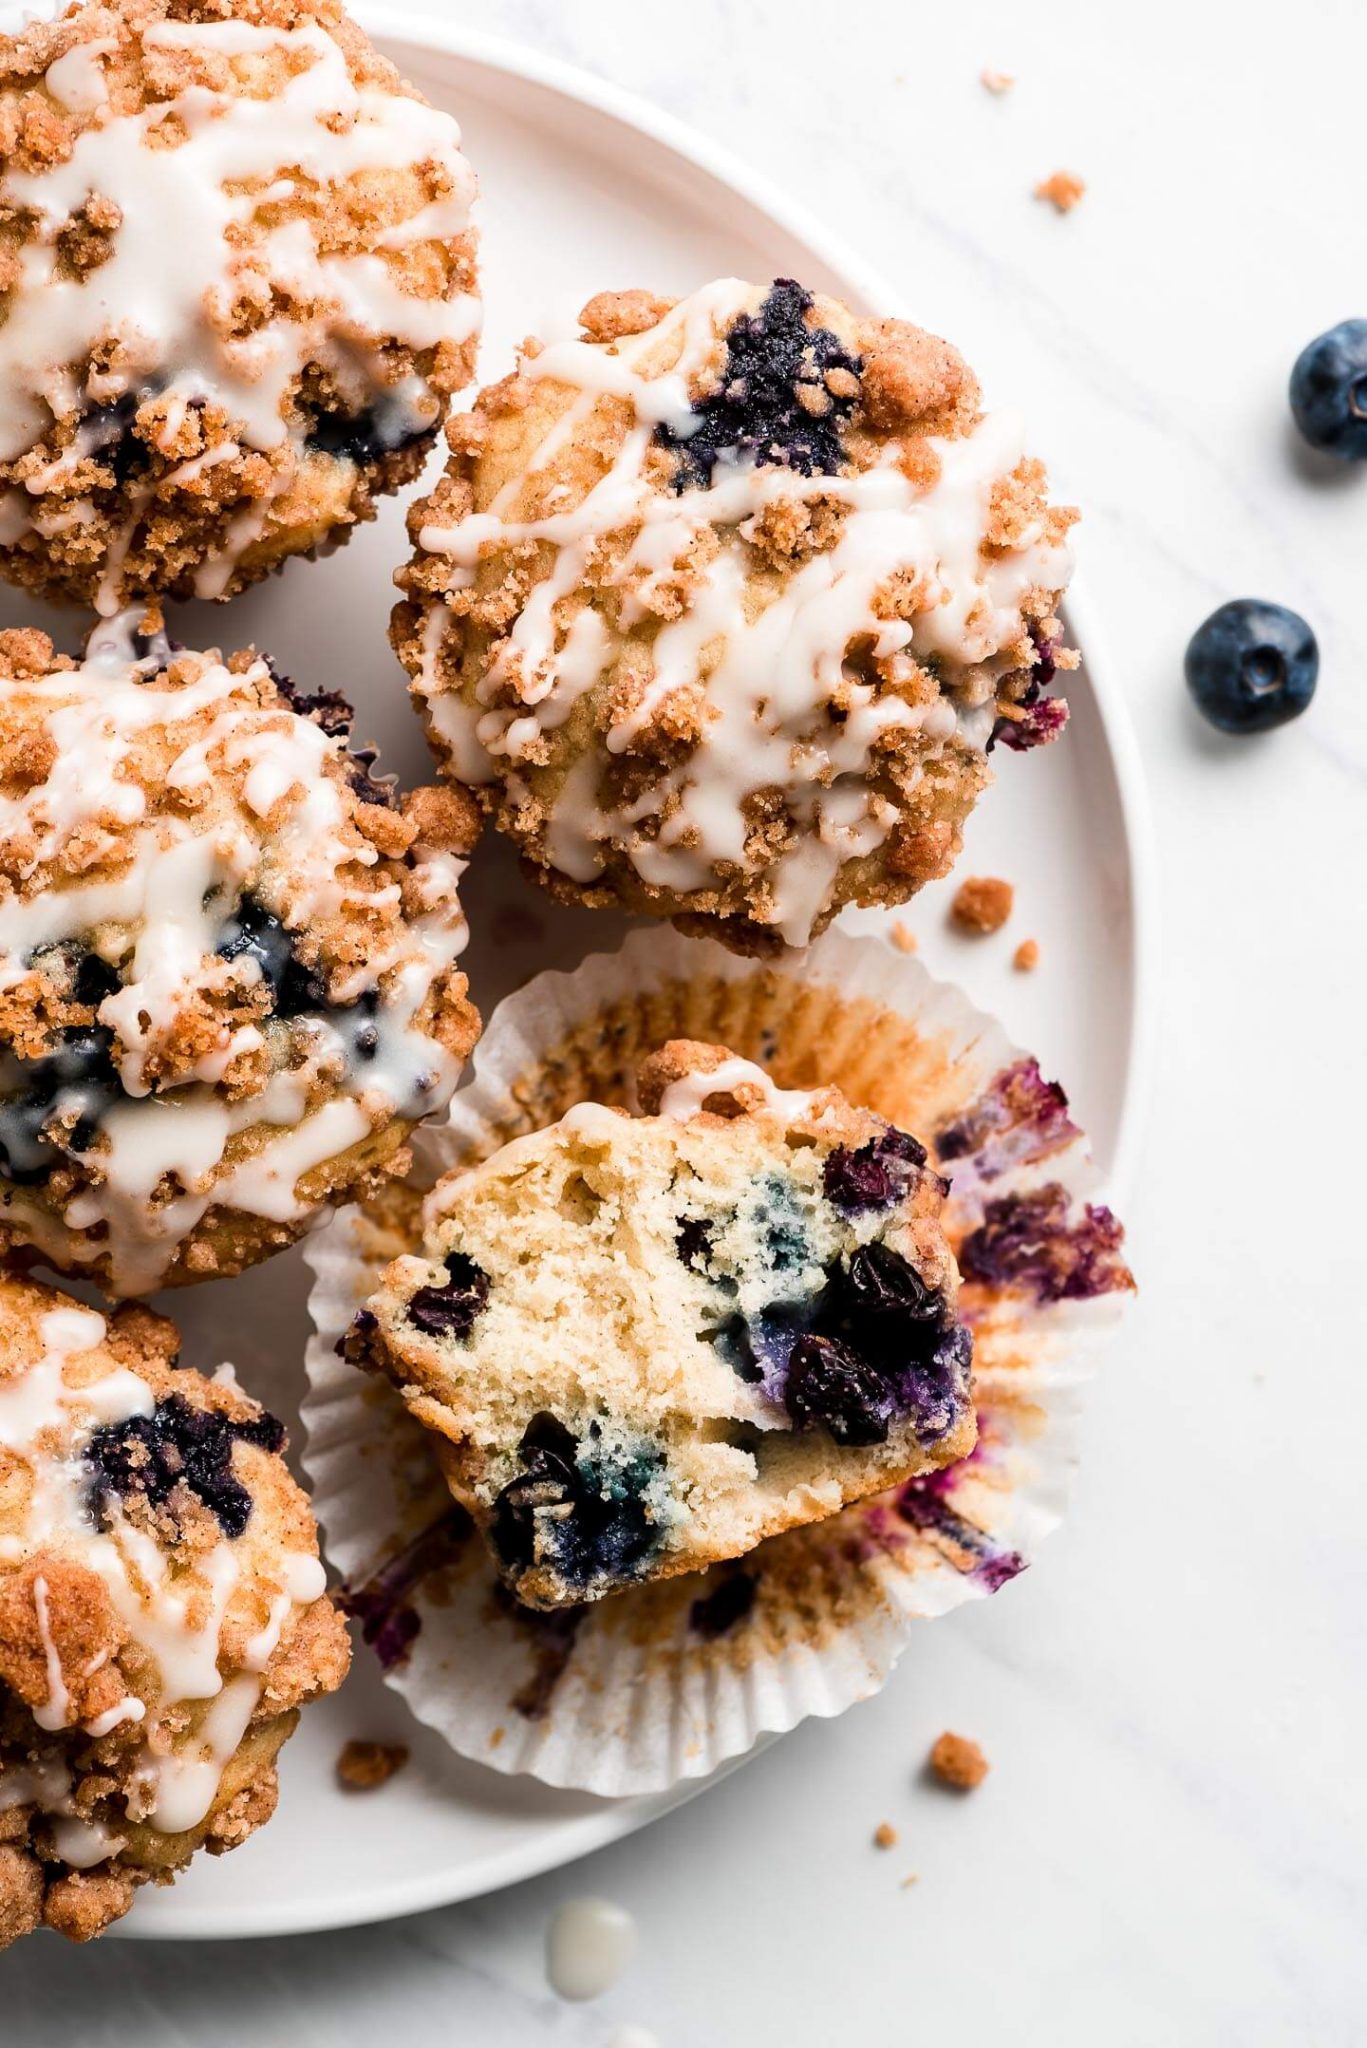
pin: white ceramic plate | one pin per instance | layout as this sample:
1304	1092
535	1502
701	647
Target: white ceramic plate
585	188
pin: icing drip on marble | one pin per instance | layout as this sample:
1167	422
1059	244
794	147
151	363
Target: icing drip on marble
588	1945
772	670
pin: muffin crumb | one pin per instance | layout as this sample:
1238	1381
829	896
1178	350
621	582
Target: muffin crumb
365	1766
885	1835
903	937
995	82
958	1761
912	1877
982	904
1025	959
1062	189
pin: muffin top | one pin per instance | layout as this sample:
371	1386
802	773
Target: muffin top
238	216
226	954
722	605
160	1590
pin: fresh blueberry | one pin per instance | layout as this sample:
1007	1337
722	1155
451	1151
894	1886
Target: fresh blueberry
1329	391
601	1527
774	360
255	933
1252	666
452	1309
149	1456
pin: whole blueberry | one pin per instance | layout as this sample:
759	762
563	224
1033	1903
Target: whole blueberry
1329	391
1252	666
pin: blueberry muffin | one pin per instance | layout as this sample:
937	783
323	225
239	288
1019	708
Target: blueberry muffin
162	1613
646	1343
227	958
720	609
238	279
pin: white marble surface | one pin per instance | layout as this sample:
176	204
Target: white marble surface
1170	1845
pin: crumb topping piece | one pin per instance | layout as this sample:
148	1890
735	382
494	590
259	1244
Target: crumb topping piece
365	1766
1062	190
959	1762
982	904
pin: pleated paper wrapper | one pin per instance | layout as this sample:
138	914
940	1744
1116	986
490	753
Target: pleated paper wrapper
630	1694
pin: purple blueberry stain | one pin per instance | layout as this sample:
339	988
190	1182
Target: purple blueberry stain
923	1504
1018	1119
716	1613
1033	1241
382	1604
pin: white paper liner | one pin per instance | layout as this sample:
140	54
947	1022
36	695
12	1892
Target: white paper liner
630	1694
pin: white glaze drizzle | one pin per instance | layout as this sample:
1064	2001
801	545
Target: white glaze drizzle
770	677
684	1099
175	1617
174	898
189	238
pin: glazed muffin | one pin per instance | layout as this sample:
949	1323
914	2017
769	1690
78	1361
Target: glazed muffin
227	959
648	1342
238	279
162	1612
721	608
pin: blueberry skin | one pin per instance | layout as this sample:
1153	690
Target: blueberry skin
1252	666
1329	391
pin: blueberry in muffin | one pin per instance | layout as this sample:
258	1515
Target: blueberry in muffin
645	1343
237	270
228	981
162	1611
720	609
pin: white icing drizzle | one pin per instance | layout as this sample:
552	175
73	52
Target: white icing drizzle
772	669
191	239
175	1616
588	1945
684	1099
170	1153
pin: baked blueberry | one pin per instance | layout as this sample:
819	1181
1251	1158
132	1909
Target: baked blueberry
451	1308
773	403
1252	666
177	1445
255	933
1329	391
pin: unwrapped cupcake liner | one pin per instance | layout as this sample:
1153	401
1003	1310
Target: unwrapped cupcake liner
667	1681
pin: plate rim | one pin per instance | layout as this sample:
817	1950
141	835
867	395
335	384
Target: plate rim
619	1818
